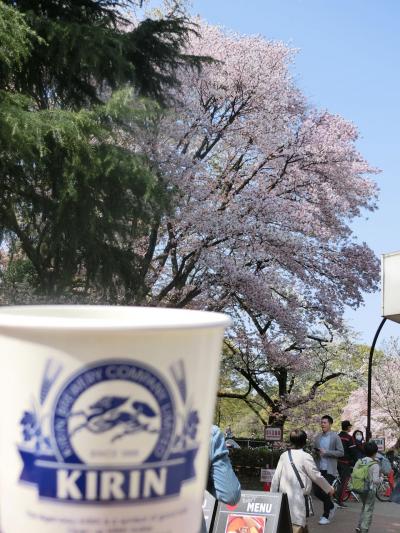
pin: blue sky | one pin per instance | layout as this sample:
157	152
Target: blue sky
348	62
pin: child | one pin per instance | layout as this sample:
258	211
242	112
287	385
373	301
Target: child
368	499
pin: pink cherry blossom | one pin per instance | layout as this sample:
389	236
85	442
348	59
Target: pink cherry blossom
266	189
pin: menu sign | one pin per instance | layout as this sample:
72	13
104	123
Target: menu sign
257	512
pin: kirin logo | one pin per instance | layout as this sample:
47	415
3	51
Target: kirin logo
107	447
106	414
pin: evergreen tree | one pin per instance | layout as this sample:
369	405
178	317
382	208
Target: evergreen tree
88	46
74	193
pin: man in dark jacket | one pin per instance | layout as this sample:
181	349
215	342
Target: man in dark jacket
346	462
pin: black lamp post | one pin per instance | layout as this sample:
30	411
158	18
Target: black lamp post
371	356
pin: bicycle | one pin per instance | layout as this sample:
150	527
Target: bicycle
388	481
384	490
346	493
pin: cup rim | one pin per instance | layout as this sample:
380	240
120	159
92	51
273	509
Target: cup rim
107	318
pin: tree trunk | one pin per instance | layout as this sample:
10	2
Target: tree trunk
276	419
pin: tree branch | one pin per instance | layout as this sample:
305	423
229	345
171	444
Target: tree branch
268	400
313	390
263	420
238	396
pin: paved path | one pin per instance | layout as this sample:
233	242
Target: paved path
386	518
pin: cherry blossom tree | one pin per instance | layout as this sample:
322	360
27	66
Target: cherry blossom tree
386	388
381	422
385	416
267	188
331	371
348	359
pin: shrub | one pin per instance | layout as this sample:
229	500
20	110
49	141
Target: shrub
248	462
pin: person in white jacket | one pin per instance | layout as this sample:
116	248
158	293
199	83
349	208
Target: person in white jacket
285	479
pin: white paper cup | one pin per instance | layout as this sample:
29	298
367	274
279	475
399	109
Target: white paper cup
105	417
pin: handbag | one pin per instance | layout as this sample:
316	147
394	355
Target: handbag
307	498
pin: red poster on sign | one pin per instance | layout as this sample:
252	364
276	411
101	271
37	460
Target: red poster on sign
245	524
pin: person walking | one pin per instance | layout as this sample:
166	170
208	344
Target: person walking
359	441
294	475
222	481
346	462
368	499
328	448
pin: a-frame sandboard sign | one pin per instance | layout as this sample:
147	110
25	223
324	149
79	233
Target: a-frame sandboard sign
257	512
209	510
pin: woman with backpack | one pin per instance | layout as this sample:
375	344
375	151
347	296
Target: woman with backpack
366	473
294	475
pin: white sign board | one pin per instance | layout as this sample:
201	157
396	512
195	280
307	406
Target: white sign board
266	475
380	442
273	434
391	286
257	512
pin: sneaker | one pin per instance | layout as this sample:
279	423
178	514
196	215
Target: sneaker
324	521
333	511
358	529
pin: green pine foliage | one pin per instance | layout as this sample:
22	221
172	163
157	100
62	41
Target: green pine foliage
75	195
15	40
73	198
88	47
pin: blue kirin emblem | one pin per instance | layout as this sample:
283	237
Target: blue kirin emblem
93	445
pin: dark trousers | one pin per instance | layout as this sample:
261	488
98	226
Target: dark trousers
321	495
344	474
